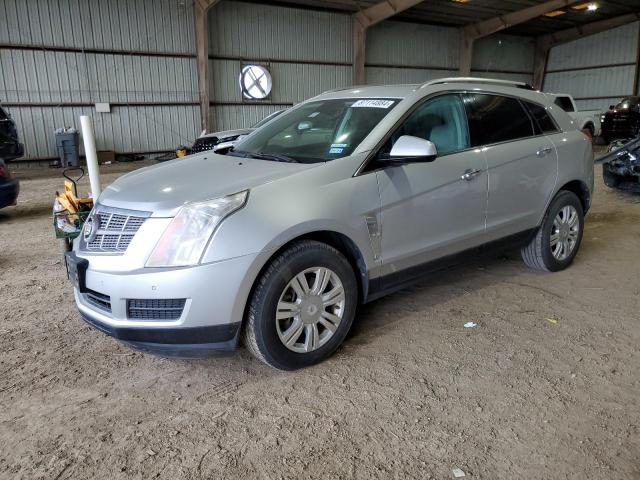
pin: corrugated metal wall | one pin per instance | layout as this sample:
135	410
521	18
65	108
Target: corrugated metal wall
400	52
597	70
59	57
139	52
310	51
307	52
503	56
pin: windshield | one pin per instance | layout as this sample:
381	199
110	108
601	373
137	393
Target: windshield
316	131
629	102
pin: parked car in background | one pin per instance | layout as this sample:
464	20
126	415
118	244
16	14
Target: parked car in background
622	121
10	149
586	120
344	198
10	146
9	187
223	141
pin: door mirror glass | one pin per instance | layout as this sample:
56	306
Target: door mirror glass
412	149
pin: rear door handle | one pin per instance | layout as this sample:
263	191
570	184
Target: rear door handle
543	151
470	174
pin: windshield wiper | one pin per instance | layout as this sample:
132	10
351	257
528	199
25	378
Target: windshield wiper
277	157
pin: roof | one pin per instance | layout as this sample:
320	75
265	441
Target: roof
371	91
448	12
404	91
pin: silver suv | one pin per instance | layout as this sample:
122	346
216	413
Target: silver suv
345	197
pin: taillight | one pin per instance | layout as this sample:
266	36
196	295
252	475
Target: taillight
4	171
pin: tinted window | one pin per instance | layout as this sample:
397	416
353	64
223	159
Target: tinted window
542	119
564	103
3	116
440	120
494	119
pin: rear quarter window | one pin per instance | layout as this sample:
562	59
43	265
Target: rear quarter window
542	119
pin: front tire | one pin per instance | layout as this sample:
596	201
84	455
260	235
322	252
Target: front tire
302	306
558	239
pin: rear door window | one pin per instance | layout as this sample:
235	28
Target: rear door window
495	119
542	120
3	115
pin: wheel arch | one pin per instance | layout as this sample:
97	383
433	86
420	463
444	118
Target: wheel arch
341	242
581	190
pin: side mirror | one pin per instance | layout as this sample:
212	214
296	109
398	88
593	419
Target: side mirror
611	107
412	149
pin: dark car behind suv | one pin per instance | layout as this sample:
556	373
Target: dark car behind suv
10	149
622	121
9	187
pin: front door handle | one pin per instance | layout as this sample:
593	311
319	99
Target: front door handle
470	174
543	151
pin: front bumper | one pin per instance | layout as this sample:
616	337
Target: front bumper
173	342
9	191
215	295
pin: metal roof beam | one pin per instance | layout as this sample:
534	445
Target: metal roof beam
471	33
383	10
574	33
366	18
493	25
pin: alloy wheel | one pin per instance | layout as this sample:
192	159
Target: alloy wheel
565	232
310	309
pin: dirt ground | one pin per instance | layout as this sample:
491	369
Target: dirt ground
546	386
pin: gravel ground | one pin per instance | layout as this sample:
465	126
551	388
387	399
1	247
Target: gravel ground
546	386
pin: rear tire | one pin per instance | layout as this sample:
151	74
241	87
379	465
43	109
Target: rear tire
558	239
302	306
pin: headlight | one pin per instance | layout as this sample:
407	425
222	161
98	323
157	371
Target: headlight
185	238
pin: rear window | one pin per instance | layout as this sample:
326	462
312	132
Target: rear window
495	119
543	122
565	104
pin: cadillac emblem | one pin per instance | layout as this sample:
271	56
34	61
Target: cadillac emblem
90	230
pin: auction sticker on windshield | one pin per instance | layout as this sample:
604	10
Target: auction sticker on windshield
373	103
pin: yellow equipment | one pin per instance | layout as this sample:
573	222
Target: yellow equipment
70	211
182	152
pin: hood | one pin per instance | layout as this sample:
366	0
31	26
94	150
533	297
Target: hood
617	112
162	189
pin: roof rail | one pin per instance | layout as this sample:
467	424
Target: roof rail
492	81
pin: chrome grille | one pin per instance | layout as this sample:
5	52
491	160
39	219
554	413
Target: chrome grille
116	230
155	308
